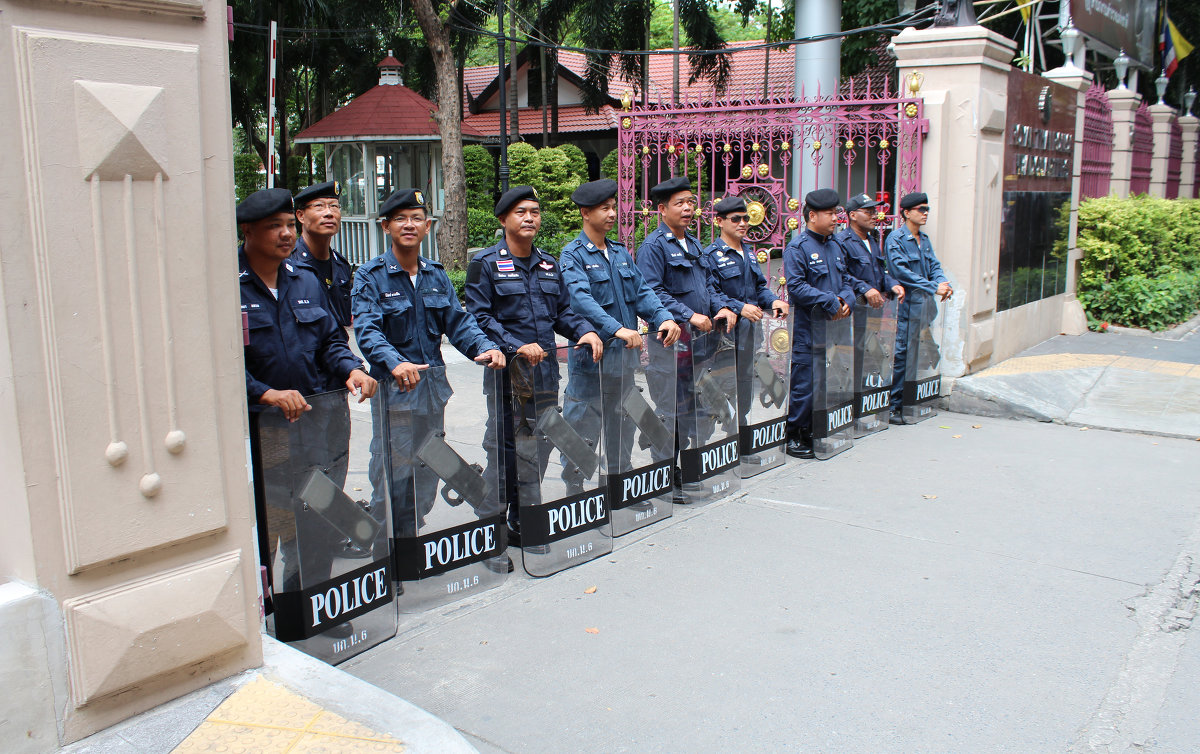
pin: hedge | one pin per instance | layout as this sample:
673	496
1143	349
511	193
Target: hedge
1140	262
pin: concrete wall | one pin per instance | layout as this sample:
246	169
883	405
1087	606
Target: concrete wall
123	483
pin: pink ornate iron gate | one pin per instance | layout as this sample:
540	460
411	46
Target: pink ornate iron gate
1097	144
745	147
1174	160
1143	151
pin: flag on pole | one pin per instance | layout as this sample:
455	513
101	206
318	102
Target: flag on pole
1173	47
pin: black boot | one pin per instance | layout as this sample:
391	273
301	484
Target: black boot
799	445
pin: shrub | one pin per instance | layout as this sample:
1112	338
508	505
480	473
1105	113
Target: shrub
481	177
577	161
1140	263
608	166
481	227
458	278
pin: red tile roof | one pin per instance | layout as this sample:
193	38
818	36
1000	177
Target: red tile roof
385	110
571	119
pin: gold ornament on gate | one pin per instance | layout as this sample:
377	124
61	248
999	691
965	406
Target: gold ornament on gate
626	101
793	223
756	211
884	143
754	146
793	204
726	147
785	145
849	143
671	149
646	149
915	79
763	256
816	145
910	110
780	342
747	171
626	122
763	169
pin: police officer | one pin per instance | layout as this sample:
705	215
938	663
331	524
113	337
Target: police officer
608	290
673	263
911	259
403	304
864	259
294	349
818	286
516	292
320	217
741	279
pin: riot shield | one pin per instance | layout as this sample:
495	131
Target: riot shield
833	384
874	351
563	500
922	378
707	402
764	350
639	398
447	514
328	564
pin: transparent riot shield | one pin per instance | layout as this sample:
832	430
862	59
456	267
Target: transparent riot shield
449	531
833	384
764	350
874	351
563	500
922	378
329	569
639	403
708	414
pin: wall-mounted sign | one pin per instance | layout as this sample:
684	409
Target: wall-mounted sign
1121	24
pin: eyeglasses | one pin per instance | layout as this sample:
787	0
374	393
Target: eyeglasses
739	219
403	220
322	206
923	209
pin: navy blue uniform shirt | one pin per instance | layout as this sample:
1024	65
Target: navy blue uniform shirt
519	301
738	276
912	261
867	267
609	292
337	282
816	275
395	321
295	344
680	276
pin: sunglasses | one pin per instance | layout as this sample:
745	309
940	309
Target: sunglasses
923	209
739	219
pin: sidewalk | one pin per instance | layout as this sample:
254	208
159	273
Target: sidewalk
1124	380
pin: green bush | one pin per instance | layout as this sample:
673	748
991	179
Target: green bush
246	176
481	178
608	166
481	227
1140	263
458	278
577	161
521	168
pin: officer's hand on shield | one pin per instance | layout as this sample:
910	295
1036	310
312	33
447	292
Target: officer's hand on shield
898	292
842	312
875	298
291	402
781	308
945	291
532	352
408	374
493	359
700	322
631	337
752	312
592	340
669	332
728	317
361	384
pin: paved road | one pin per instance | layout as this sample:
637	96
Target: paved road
1015	587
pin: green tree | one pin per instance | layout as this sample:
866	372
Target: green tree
480	170
577	160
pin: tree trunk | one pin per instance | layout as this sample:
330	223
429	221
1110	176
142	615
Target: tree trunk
452	230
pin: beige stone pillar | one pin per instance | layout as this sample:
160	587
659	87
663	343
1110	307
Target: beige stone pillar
123	482
1189	124
1163	116
964	75
1074	320
1124	104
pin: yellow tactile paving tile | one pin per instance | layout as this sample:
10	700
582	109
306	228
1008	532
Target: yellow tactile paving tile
265	718
1058	362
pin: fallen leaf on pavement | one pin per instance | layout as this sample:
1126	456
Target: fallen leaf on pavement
590	590
1083	429
929	497
942	426
592	630
957	437
358	489
976	426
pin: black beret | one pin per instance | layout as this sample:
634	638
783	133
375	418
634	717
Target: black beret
595	192
914	200
730	204
326	190
403	199
822	199
265	203
515	194
663	191
860	201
